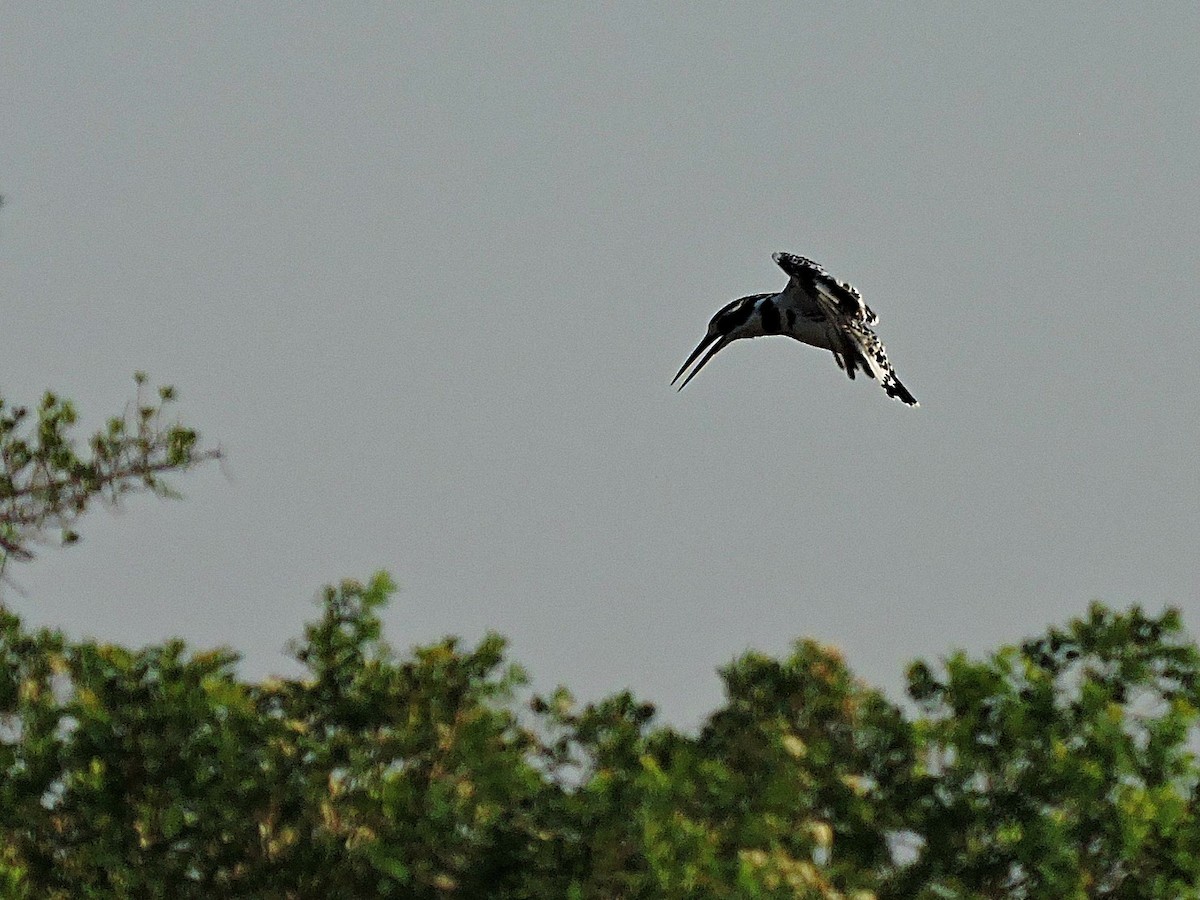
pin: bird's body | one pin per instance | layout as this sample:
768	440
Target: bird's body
813	308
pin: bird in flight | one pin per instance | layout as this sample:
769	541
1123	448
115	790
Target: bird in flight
814	308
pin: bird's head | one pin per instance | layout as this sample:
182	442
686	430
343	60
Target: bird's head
724	328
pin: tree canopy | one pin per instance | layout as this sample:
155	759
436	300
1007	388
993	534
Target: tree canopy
1062	767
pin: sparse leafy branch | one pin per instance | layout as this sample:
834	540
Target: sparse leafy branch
47	482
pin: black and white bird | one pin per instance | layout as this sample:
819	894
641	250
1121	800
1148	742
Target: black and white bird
814	308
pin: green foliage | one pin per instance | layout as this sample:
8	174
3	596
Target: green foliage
45	482
1061	768
160	773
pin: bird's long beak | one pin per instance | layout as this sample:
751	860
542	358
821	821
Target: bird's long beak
721	341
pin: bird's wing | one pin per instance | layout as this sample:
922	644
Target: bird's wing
846	299
848	335
840	298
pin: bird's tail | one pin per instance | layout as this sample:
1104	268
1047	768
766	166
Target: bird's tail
894	388
864	350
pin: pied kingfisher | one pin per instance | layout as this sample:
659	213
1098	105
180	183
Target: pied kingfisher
815	308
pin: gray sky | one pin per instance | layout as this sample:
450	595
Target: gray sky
425	271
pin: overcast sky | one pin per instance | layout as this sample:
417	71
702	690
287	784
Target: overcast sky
425	272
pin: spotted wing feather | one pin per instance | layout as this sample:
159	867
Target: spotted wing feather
840	297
